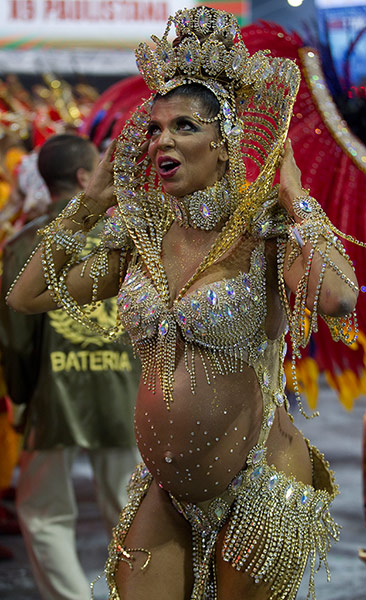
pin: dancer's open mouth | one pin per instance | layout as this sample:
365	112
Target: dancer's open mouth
167	166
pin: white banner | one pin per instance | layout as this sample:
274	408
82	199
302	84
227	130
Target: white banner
28	23
339	3
68	62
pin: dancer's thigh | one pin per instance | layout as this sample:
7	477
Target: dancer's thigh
233	584
159	528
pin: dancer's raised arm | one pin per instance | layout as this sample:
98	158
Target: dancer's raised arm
66	237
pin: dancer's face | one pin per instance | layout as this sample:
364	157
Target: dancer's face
180	146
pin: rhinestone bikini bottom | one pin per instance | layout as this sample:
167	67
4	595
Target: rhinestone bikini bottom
275	525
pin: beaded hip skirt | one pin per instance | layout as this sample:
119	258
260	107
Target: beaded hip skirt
275	526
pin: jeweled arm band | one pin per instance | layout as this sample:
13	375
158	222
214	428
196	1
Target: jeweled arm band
314	229
62	237
57	236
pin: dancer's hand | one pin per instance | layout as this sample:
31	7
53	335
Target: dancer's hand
290	179
144	148
99	192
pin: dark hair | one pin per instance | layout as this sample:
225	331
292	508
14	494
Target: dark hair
59	159
200	92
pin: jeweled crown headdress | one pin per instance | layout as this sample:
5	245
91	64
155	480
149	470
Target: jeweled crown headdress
204	53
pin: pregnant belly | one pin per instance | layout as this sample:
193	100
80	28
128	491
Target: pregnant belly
197	447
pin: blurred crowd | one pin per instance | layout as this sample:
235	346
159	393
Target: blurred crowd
27	119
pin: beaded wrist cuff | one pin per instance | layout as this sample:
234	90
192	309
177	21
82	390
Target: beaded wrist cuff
115	234
70	242
306	207
73	207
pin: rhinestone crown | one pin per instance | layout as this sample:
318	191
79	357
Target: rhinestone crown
210	47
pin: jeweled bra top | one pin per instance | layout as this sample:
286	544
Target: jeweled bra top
223	315
221	321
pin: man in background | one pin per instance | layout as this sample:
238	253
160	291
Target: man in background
74	389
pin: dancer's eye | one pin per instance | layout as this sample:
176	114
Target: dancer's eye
186	125
153	129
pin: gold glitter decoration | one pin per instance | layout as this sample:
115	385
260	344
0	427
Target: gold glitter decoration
335	123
